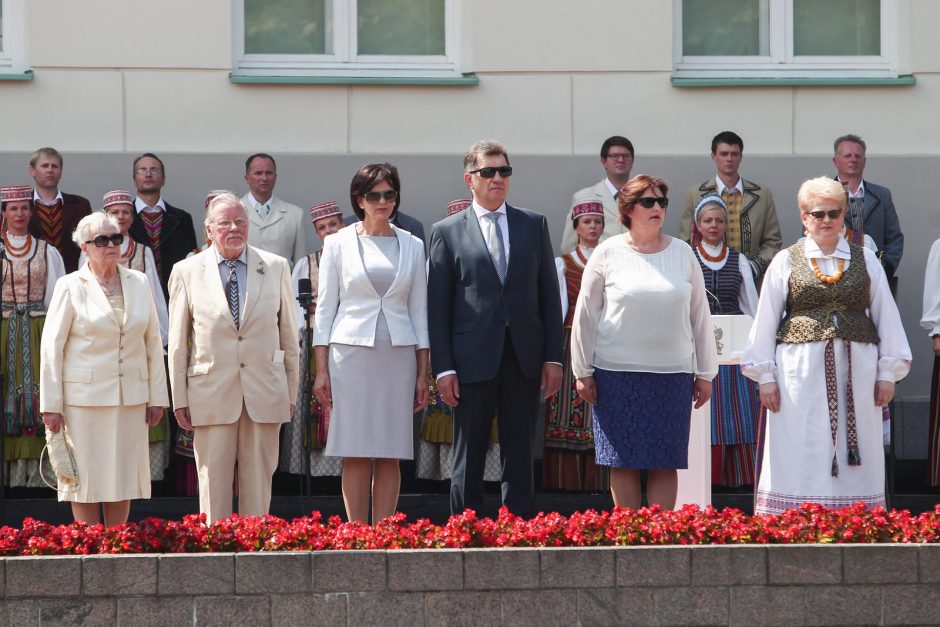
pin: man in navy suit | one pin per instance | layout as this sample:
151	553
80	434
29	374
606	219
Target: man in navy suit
495	325
871	208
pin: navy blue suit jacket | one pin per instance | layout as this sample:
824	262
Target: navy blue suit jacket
469	309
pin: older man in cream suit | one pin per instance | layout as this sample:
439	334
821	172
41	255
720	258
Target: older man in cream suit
276	226
233	357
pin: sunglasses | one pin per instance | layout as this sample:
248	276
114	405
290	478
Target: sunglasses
102	241
387	196
648	202
504	171
832	214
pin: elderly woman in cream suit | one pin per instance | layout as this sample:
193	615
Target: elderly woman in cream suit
371	327
102	373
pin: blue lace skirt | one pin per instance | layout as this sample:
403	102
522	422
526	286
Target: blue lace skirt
642	419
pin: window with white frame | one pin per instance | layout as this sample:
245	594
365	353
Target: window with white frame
12	26
381	38
785	38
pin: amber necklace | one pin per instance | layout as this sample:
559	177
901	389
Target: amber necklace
828	278
719	258
14	251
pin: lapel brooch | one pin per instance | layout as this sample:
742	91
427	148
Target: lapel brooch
261	268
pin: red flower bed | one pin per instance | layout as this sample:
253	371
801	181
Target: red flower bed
620	527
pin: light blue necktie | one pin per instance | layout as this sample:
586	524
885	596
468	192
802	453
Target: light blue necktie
494	243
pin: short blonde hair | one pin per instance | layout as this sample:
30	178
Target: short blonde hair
91	225
820	189
226	199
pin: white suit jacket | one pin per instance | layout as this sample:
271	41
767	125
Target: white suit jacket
281	232
90	358
215	365
348	306
612	225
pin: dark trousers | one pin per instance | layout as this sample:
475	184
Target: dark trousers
514	399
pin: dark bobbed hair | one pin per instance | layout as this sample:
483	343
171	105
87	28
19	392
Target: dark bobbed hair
368	177
616	140
727	137
631	192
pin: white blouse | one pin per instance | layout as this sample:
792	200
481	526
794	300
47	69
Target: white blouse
758	362
642	312
931	318
747	293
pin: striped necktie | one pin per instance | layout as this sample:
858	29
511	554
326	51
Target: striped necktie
232	288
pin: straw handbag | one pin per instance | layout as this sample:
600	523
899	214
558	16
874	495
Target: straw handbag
61	453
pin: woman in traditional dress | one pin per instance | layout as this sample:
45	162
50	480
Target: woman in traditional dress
298	439
568	462
371	339
119	204
826	347
30	270
434	458
731	291
103	374
643	347
931	322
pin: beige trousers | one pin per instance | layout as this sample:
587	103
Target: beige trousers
254	446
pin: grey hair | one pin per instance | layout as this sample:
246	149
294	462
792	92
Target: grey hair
226	199
91	225
484	148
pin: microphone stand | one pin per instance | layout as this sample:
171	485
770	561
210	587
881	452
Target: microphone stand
305	298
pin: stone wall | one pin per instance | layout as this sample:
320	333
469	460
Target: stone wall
743	585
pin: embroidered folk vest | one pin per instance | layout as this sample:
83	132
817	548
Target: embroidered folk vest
818	311
723	284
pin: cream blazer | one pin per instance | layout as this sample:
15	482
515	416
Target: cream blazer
89	358
348	306
281	232
214	366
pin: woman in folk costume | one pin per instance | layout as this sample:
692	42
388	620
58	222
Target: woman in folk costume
931	322
568	462
31	268
731	291
826	347
434	457
297	438
119	204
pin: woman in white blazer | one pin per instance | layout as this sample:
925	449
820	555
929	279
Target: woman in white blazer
371	343
101	359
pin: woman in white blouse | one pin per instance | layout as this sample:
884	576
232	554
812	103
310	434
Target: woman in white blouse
931	322
826	347
642	347
371	343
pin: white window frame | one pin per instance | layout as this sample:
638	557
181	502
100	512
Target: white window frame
781	62
13	55
345	60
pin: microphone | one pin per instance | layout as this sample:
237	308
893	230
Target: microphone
304	294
